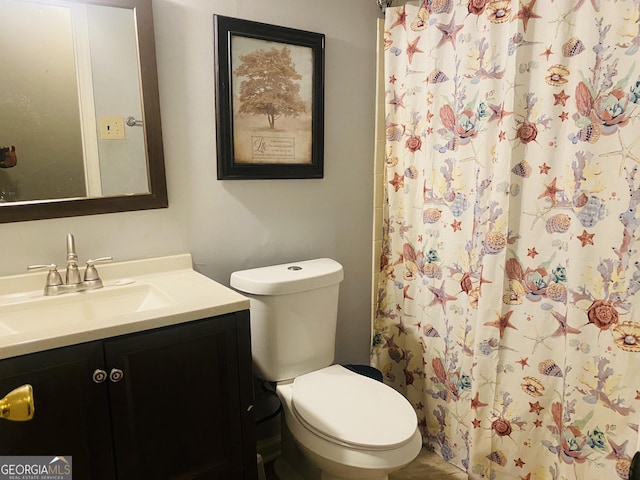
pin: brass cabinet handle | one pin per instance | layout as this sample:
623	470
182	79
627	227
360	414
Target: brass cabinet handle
99	375
116	375
18	405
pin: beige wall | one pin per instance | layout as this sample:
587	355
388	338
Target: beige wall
238	224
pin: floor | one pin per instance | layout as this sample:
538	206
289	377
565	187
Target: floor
428	466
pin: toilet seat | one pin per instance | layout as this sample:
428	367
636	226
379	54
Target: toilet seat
346	408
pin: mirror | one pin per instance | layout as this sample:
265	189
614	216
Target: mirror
80	128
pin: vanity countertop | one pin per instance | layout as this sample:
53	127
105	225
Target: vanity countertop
137	295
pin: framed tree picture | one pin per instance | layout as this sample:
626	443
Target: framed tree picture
269	100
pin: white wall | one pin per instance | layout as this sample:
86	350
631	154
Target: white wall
229	225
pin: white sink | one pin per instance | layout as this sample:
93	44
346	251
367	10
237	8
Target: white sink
44	312
137	295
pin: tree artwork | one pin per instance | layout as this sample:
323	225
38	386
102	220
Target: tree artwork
271	86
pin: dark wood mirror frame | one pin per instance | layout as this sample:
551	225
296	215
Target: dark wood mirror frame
157	198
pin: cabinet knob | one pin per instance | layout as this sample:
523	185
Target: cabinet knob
99	375
17	405
116	375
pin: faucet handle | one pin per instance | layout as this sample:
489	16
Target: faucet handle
53	277
90	273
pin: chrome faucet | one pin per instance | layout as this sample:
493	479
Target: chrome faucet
73	274
54	284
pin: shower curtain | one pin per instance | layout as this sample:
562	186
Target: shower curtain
507	307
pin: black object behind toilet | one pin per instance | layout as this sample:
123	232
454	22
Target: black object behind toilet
634	470
366	370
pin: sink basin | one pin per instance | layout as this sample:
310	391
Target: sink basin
137	295
88	306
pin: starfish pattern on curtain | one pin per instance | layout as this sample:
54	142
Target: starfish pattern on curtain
507	303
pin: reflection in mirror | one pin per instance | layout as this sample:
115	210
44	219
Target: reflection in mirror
43	124
79	113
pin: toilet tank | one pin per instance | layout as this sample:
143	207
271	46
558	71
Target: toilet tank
294	310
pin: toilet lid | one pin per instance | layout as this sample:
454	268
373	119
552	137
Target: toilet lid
349	408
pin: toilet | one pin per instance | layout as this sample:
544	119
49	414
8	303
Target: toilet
346	425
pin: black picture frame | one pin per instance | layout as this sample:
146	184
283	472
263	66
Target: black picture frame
249	146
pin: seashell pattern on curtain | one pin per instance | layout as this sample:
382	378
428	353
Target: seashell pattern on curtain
507	309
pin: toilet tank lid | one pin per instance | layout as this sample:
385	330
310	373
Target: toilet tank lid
288	277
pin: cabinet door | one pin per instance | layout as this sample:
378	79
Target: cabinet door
71	414
177	412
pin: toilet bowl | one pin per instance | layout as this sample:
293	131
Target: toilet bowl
335	417
346	425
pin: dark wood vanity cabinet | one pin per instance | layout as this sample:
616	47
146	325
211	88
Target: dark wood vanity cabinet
168	403
71	411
